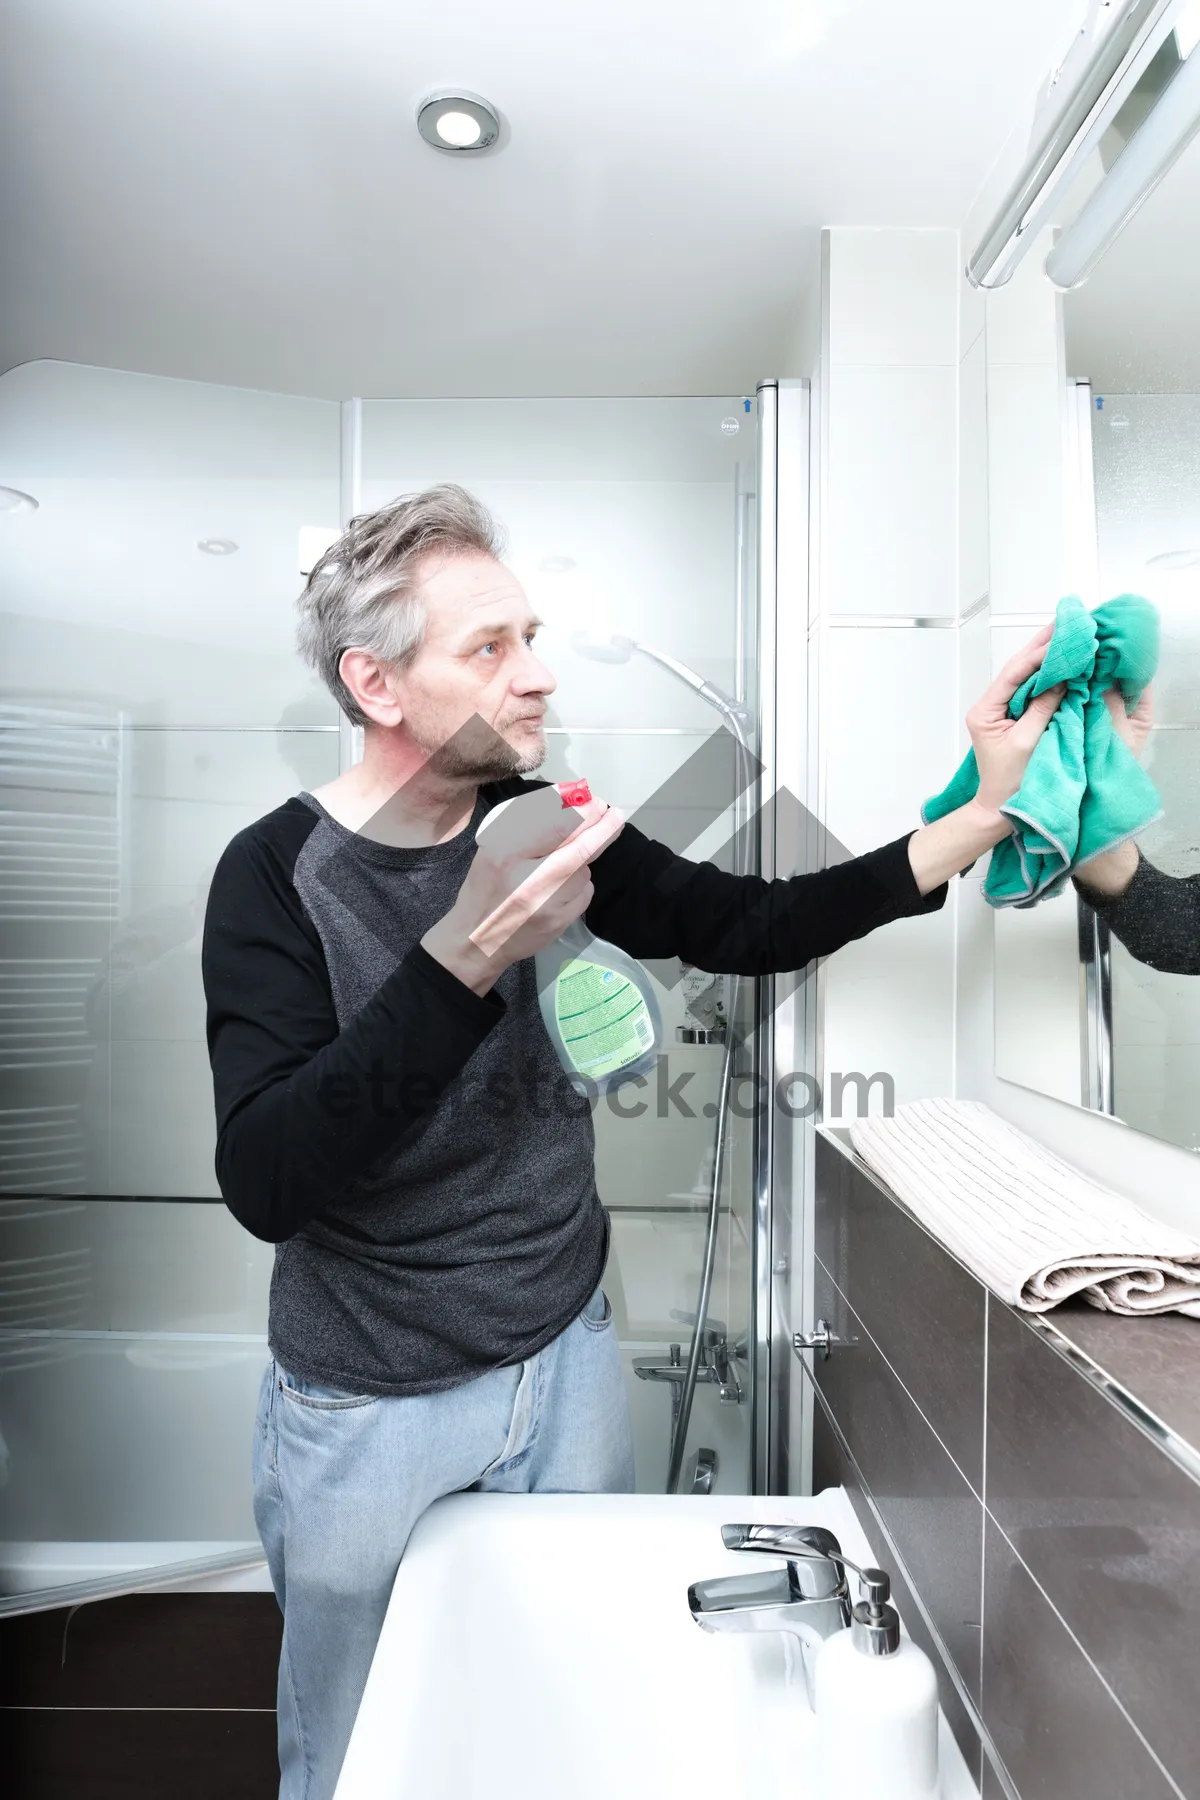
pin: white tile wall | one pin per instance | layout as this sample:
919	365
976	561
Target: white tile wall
1025	486
1006	640
891	501
892	297
973	546
1025	414
972	305
890	421
973	917
888	712
888	729
889	1006
1023	316
891	529
974	648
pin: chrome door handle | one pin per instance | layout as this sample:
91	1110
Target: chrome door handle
821	1339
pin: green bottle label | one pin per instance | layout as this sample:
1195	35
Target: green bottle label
602	1018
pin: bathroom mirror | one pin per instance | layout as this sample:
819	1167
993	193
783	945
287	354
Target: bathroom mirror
1078	1016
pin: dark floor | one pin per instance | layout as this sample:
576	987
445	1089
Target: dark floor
148	1697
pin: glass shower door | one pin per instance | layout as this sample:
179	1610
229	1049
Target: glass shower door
152	704
635	519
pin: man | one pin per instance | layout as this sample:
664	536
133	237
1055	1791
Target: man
391	1112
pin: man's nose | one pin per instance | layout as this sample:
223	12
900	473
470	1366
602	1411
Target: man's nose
533	677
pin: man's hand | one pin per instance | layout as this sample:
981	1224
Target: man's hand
1003	746
1133	728
1110	873
514	904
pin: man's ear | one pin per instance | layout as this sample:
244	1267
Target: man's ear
366	678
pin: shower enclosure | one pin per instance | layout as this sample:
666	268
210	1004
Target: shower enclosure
153	705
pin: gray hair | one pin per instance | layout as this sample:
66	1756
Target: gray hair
361	594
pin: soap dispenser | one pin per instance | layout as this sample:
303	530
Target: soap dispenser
876	1704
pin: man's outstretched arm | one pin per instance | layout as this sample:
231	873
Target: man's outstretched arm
654	903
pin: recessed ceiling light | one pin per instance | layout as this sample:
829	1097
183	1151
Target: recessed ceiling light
13	500
458	129
456	121
217	546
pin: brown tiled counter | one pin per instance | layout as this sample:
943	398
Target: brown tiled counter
1034	1484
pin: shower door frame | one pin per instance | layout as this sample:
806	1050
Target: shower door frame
786	1020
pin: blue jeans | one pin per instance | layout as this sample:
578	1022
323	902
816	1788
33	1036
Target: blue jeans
341	1479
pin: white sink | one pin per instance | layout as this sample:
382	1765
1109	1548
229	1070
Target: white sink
540	1647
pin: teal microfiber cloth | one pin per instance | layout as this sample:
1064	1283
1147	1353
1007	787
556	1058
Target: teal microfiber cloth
1084	791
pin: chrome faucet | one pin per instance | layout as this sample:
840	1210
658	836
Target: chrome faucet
808	1598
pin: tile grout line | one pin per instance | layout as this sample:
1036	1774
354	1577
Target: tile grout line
257	1711
894	1372
987	1318
1096	1671
958	658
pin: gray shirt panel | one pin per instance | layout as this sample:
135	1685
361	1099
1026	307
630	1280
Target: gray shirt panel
482	1236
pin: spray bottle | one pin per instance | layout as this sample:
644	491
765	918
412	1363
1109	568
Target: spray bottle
598	1003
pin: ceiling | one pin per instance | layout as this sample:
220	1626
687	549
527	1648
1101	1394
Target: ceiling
235	191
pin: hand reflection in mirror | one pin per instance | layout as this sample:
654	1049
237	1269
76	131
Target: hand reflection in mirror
1155	915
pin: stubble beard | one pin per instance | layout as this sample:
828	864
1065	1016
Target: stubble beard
477	752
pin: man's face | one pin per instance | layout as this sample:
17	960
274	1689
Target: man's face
477	659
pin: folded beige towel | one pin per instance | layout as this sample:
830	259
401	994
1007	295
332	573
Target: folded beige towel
1031	1227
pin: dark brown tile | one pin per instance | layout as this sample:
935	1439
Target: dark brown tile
1058	1730
837	1471
932	1515
923	1309
1154	1358
140	1755
1108	1525
831	1468
194	1650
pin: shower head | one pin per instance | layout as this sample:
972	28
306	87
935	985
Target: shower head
619	649
613	649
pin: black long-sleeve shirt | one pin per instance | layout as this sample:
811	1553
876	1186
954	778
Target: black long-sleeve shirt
415	1149
1157	918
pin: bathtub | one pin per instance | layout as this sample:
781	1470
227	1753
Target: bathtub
125	1460
125	1464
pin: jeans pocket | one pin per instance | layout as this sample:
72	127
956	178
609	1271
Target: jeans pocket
266	1395
597	1314
315	1397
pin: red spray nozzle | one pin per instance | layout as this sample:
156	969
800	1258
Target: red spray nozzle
574	793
